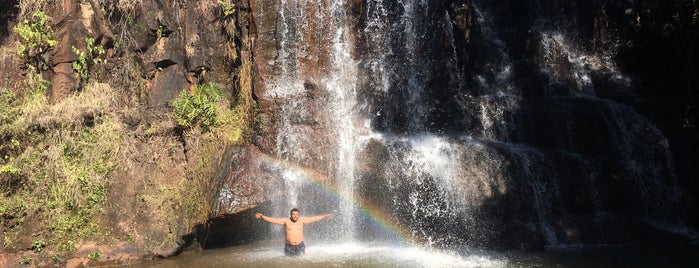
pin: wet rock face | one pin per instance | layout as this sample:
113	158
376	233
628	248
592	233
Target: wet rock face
572	141
645	39
183	43
252	181
306	63
433	54
304	29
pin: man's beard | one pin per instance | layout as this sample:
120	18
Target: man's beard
292	219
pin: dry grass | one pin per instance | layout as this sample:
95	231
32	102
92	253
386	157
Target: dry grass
125	9
72	112
28	7
236	122
126	6
69	150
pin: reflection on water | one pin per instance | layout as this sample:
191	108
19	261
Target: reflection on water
271	254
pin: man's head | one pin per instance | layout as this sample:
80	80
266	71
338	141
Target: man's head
294	213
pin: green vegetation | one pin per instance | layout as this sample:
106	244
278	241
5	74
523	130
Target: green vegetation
56	163
94	255
160	32
228	18
207	109
26	261
38	245
228	9
222	121
245	107
59	159
35	40
11	111
200	108
86	59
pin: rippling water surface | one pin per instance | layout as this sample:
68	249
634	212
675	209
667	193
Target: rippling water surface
270	254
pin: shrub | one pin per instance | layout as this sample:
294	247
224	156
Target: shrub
36	38
86	59
228	9
198	108
94	255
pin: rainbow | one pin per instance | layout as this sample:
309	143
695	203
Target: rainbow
377	216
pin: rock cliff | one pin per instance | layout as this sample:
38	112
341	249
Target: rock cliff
176	189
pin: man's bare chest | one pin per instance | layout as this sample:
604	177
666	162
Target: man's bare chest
294	226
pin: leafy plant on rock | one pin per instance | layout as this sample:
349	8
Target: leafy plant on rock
35	41
198	108
86	59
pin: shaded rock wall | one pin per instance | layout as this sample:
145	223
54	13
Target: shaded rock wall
516	76
649	41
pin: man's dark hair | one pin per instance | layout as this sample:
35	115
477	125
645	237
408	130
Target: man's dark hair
292	210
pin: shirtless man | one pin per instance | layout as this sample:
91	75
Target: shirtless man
294	230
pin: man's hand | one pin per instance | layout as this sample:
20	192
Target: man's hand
258	215
327	216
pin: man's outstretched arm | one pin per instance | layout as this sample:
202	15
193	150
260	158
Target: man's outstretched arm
315	218
269	219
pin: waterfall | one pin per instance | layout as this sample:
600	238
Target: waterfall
442	152
289	87
335	89
341	84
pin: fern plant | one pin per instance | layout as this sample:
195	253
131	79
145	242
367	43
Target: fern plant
199	107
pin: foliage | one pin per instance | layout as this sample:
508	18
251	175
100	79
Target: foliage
86	59
199	108
64	159
38	245
240	121
206	108
94	255
41	86
64	153
9	169
160	32
9	107
36	39
228	9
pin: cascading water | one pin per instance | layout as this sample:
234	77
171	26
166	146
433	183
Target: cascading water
289	88
452	151
341	84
